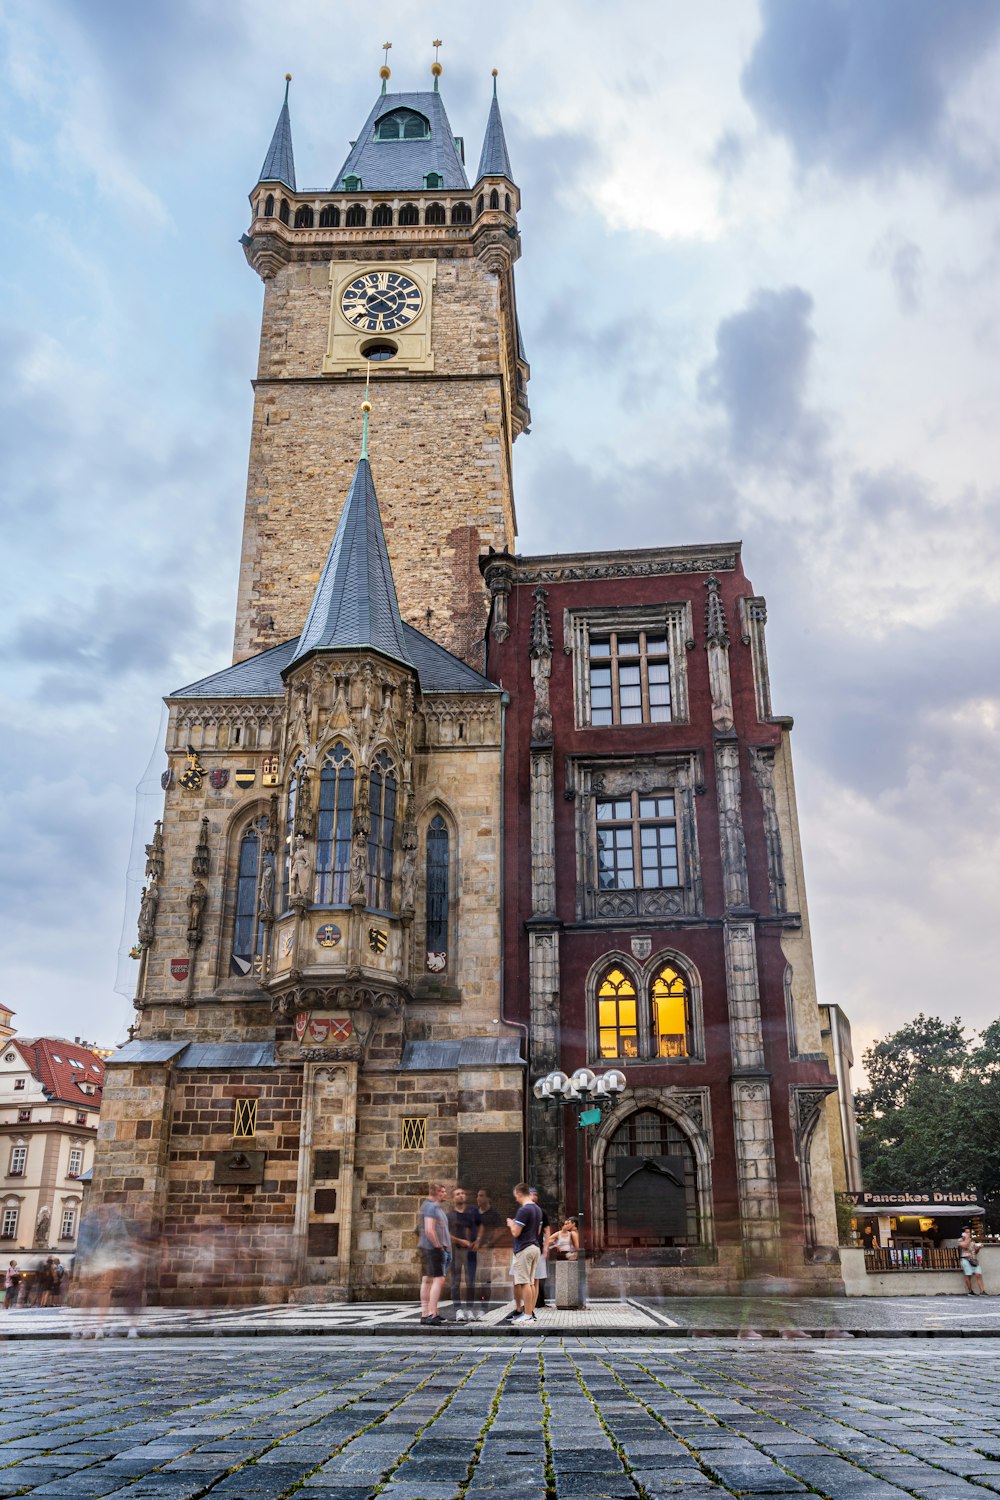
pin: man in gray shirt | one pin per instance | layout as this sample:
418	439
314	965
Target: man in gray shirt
434	1239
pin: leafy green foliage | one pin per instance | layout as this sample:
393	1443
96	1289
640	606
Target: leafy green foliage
930	1116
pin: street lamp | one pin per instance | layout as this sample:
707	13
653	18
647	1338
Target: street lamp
589	1095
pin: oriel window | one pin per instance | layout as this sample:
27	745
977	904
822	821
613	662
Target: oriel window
617	1015
333	828
629	678
637	842
382	832
437	887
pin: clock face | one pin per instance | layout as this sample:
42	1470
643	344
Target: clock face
381	301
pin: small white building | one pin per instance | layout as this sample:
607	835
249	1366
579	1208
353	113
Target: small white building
50	1103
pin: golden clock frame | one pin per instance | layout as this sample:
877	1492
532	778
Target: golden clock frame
345	342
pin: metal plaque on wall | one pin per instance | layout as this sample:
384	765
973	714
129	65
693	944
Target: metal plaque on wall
326	1165
491	1159
651	1201
245	1168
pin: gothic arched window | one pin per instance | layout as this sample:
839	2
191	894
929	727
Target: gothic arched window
461	214
506	203
435	214
329	216
269	206
437	893
670	997
357	216
254	899
382	216
304	217
333	827
382	829
409	214
283	211
494	199
617	1015
480	204
628	1214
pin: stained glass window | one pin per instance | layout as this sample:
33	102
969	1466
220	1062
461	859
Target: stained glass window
617	1015
333	828
437	885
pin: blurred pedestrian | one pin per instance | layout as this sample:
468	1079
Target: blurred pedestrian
491	1238
542	1268
968	1255
465	1225
434	1240
11	1282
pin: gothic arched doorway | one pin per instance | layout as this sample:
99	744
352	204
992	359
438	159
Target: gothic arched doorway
666	1188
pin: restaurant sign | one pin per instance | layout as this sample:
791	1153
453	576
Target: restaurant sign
939	1200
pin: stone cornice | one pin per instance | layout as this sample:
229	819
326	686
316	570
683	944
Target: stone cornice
646	562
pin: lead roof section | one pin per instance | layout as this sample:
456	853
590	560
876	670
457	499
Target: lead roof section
260	676
464	1052
279	163
355	601
391	166
494	161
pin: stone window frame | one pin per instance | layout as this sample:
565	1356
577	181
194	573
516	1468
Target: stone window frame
68	1232
10	1213
439	809
634	823
676	773
19	1155
674	621
642	976
71	1171
246	816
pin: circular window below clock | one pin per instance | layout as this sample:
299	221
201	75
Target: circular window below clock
382	350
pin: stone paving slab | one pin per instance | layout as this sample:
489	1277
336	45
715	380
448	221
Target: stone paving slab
597	1418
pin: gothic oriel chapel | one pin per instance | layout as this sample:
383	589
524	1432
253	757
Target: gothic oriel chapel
454	816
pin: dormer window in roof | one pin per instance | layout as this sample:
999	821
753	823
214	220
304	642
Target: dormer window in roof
352	184
433	180
403	125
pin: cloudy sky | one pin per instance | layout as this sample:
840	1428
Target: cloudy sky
759	292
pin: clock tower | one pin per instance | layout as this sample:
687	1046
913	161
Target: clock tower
405	270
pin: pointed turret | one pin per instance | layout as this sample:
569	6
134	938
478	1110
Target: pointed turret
494	161
279	163
355	604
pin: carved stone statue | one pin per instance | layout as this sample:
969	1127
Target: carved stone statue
154	854
147	913
265	901
196	911
299	868
359	868
199	864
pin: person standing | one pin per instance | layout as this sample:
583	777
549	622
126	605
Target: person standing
968	1254
11	1282
434	1240
490	1236
465	1225
526	1229
542	1269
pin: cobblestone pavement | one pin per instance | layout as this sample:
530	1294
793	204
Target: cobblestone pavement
430	1419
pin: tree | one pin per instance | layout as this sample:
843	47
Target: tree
930	1116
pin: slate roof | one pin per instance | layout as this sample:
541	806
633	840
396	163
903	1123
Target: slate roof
51	1060
388	166
199	1054
464	1052
494	161
279	163
355	600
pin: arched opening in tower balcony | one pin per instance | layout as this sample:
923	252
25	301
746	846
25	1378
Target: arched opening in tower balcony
382	216
304	217
506	203
461	214
435	214
409	214
269	206
284	212
329	216
494	199
403	125
480	204
357	216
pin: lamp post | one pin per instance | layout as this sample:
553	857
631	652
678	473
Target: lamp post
588	1095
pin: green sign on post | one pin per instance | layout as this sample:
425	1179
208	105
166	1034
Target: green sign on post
590	1117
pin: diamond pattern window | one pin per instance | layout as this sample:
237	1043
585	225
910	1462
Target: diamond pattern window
413	1133
245	1119
630	678
333	828
637	842
617	1015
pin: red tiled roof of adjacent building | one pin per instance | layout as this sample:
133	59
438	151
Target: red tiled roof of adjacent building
61	1067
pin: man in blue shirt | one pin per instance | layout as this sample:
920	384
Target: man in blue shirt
526	1228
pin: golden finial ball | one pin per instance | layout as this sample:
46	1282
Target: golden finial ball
366	406
496	72
288	77
437	69
384	72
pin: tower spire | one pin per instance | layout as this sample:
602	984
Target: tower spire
279	163
494	161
